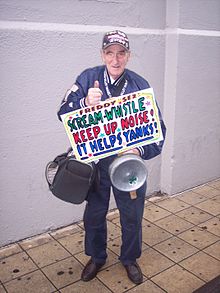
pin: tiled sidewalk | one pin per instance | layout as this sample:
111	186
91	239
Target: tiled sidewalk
181	251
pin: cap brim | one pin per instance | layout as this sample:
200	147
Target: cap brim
114	43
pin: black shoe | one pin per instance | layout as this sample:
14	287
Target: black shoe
134	273
90	270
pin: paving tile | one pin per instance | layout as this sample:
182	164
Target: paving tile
202	265
174	224
64	272
207	191
209	206
48	253
115	245
196	224
172	204
216	198
2	290
32	283
15	266
191	197
66	231
145	222
194	215
153	213
213	250
148	287
116	221
176	249
215	183
212	225
154	198
112	215
198	237
115	278
35	241
150	200
113	231
212	286
9	250
73	243
152	262
153	234
176	280
93	286
111	259
81	225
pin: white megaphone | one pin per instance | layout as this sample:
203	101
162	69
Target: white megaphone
128	172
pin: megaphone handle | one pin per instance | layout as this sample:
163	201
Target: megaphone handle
133	194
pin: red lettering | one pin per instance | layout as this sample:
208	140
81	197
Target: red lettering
96	131
131	121
107	128
145	117
76	137
137	119
82	134
113	126
89	134
140	118
124	123
126	98
87	110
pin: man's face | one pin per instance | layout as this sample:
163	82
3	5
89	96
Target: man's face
115	58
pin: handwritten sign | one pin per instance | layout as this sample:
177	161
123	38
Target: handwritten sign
113	126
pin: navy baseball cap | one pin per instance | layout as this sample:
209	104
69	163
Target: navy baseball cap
115	38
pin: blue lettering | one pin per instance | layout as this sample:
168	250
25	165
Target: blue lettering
93	146
99	141
112	139
126	134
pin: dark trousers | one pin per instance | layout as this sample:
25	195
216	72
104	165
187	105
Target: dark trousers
131	214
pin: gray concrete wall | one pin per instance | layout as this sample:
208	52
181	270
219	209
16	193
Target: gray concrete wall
191	95
46	44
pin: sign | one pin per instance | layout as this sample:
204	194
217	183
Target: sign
113	126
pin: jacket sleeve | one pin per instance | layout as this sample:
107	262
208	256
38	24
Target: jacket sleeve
75	96
152	150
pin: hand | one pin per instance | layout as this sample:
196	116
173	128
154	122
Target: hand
94	95
132	151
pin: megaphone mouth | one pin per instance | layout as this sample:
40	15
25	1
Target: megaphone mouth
128	172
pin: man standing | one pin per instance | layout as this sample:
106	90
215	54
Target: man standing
92	86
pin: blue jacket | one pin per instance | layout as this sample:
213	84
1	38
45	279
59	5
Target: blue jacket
74	99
